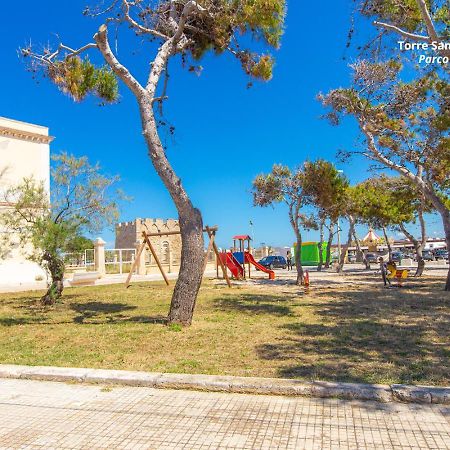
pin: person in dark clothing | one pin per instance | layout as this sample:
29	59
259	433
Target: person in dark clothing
384	272
289	260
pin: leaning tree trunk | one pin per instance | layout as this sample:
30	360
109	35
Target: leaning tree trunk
329	244
420	261
320	245
387	243
351	231
190	220
418	245
359	250
445	214
426	188
56	268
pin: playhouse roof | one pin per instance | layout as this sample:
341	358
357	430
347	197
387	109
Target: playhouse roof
242	237
371	237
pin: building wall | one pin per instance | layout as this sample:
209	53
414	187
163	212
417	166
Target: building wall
129	233
24	152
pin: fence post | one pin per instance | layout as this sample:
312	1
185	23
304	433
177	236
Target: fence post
99	256
140	266
170	260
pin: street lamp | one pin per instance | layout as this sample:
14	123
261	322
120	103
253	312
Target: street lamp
252	230
339	229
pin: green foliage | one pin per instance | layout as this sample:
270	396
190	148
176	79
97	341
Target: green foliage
258	67
227	20
277	186
211	25
81	201
403	13
79	78
406	15
79	243
384	202
325	187
408	121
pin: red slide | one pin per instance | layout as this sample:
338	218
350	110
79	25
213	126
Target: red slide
249	259
230	261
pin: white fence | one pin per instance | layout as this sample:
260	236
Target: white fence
116	260
119	260
83	260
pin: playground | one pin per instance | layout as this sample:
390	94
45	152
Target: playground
343	328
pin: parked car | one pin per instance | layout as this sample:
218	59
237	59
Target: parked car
371	257
273	262
351	257
397	257
441	253
428	255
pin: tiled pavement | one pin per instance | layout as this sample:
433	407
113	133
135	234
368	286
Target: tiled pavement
38	414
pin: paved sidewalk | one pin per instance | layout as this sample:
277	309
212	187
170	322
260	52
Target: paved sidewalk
42	414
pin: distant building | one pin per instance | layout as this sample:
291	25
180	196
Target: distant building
24	152
168	248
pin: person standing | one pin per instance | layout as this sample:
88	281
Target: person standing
289	260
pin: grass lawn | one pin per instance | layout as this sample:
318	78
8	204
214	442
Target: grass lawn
356	332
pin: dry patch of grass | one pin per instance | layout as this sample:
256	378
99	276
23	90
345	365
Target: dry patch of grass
352	332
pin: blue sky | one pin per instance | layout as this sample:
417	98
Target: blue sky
225	133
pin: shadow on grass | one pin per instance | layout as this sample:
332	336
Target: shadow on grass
255	304
111	313
368	336
89	313
90	310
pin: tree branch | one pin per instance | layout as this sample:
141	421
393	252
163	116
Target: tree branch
158	65
417	180
101	37
406	34
433	35
410	237
427	19
188	9
47	58
138	26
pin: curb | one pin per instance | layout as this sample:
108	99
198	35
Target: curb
229	384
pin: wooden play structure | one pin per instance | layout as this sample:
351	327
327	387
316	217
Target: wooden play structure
211	232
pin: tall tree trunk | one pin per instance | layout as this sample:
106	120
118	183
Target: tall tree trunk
298	258
445	214
387	243
329	244
320	244
425	187
190	220
359	250
351	231
418	245
294	211
56	268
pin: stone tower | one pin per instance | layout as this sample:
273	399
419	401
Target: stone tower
129	233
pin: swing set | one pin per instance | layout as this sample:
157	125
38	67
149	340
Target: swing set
211	232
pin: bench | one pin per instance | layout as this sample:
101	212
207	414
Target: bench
84	278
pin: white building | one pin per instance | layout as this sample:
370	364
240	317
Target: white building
24	152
